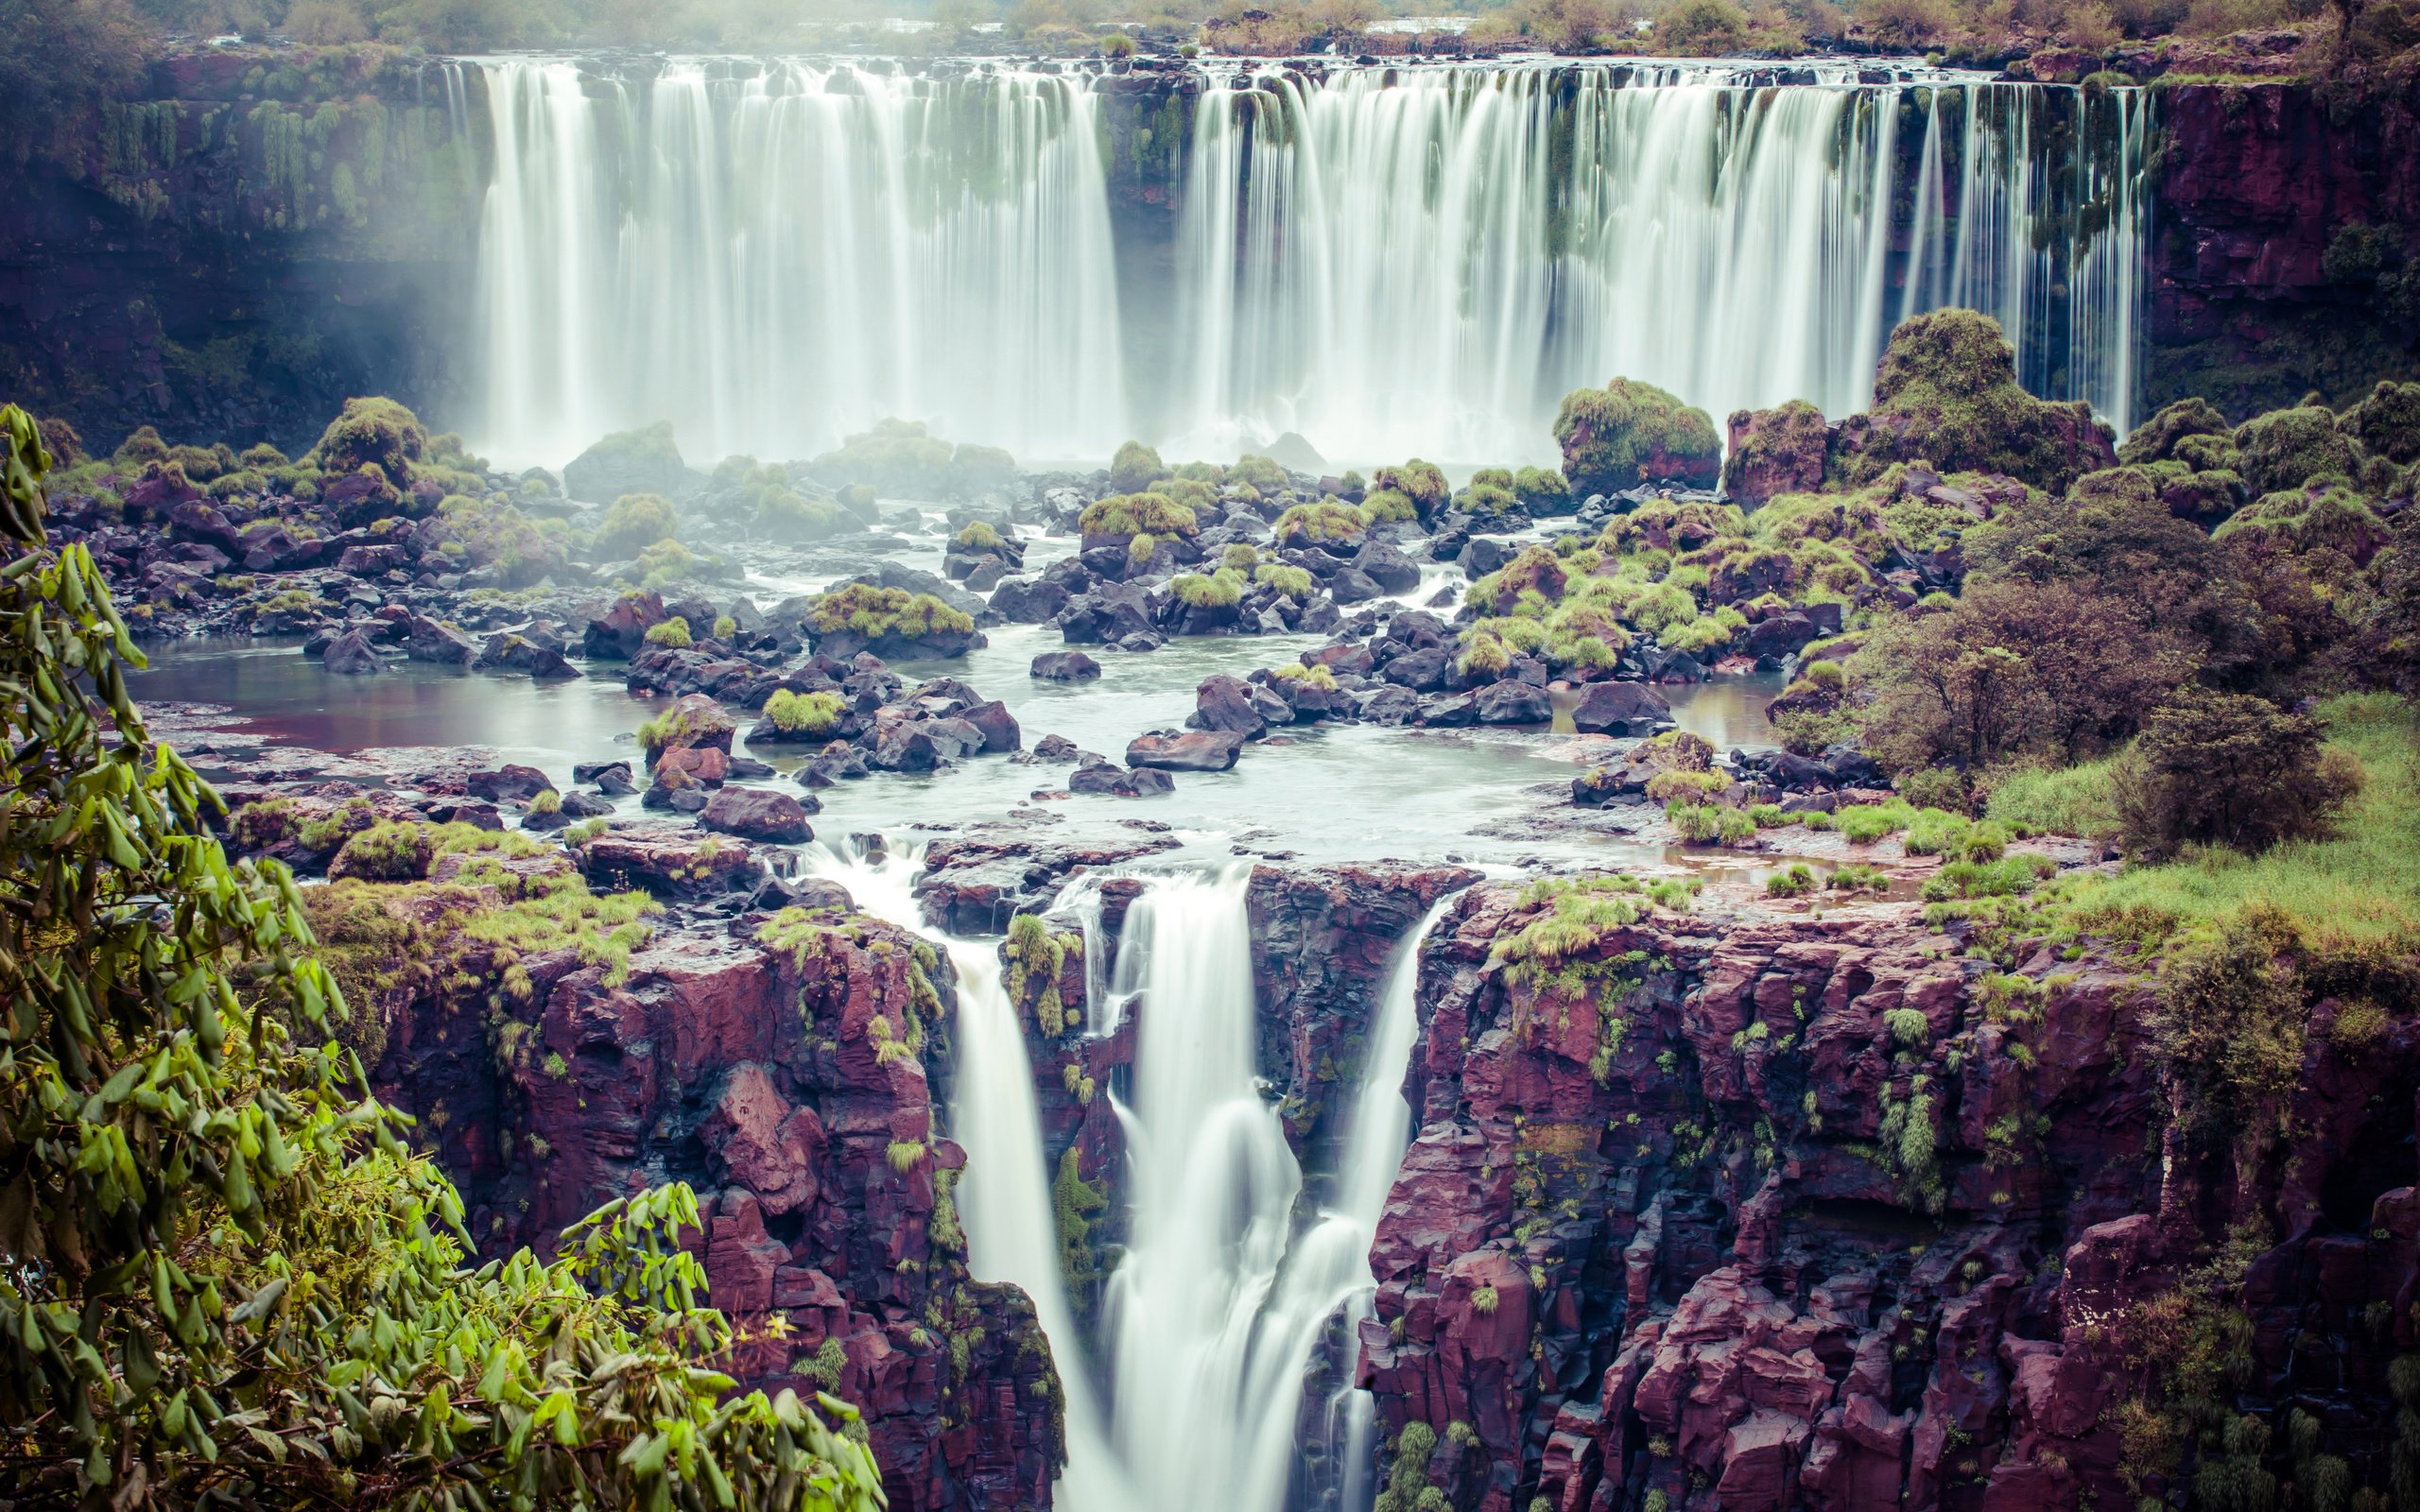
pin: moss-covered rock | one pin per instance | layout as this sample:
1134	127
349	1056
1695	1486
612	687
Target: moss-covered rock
1775	451
897	456
1946	394
1542	490
1324	523
1423	483
371	433
1628	433
647	460
1491	502
2387	422
1134	467
889	622
2325	515
2156	438
636	521
2287	448
1121	517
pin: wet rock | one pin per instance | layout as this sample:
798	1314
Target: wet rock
610	777
1231	704
508	784
1619	708
352	655
1422	671
1510	702
757	814
1028	601
998	726
1387	566
669	863
428	640
620	632
1191	750
1120	781
908	744
1064	666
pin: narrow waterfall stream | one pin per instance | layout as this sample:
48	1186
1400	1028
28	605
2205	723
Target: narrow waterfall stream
1212	1316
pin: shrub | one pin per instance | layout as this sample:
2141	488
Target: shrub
1261	472
2228	1035
673	632
1864	823
1134	467
1384	506
725	626
633	523
1221	590
1323	523
371	433
1319	677
803	713
2079	800
545	800
1794	883
896	456
1239	556
977	535
1541	490
1129	514
2287	448
1935	787
387	851
1933	832
863	608
1628	433
1293	582
1420	482
2226	769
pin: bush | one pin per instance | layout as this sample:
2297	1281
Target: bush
1223	588
1542	491
673	632
1261	472
1864	823
1386	505
1420	482
545	800
2079	800
1628	433
1935	787
803	713
1323	523
2287	448
1293	582
862	608
2225	769
633	523
371	433
1125	515
977	535
1135	467
897	456
1794	883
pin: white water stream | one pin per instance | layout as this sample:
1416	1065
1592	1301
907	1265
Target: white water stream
1211	1318
1392	259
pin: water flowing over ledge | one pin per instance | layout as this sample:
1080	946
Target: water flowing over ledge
1385	260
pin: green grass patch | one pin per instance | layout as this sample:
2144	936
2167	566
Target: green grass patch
2079	801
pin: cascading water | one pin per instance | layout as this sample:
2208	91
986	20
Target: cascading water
1386	260
773	256
1432	258
1228	1283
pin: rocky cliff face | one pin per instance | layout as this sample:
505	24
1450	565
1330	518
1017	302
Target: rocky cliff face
1787	1212
787	1079
2256	182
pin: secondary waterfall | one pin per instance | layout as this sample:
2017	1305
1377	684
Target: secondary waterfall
1429	259
1229	1282
772	254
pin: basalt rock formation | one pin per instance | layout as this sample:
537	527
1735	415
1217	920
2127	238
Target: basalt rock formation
786	1077
1781	1213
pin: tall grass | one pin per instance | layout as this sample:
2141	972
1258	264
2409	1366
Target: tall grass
2066	801
2361	887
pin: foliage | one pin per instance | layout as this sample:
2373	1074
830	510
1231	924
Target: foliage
1423	483
672	633
371	433
1134	467
862	608
1946	393
1223	588
2228	1035
2226	769
1628	433
1128	514
633	523
2286	448
803	713
1321	522
231	1279
1290	582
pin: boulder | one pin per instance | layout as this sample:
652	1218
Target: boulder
1064	666
1120	781
1191	750
1619	708
352	655
508	784
757	814
1510	702
428	640
1029	600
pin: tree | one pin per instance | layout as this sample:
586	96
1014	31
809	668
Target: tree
225	1280
2226	769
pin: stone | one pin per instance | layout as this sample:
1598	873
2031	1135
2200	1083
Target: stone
1191	750
1619	708
352	655
1510	702
1064	666
508	784
428	640
1118	782
757	814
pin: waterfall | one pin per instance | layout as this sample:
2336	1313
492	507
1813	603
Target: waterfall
1386	260
774	255
1429	259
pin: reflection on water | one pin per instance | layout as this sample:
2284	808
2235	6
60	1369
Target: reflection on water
1345	792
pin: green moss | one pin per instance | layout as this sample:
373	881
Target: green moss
673	632
878	613
803	713
1261	472
1223	588
371	433
1628	431
1387	505
1129	514
1423	483
1323	523
1134	467
1542	491
1075	1205
633	523
977	536
1946	393
1319	677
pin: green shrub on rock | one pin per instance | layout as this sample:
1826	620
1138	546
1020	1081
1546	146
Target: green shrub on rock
878	613
1423	483
1121	516
1387	505
1134	467
1542	490
636	521
672	633
1262	473
2287	448
803	713
1323	523
1628	433
1946	393
2158	439
2220	769
371	433
1292	583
